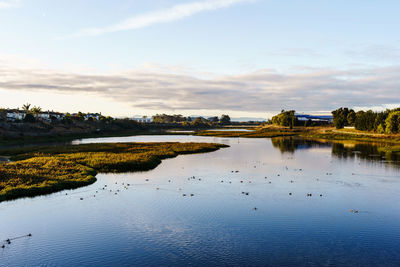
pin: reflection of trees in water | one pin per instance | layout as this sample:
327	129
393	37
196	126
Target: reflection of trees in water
291	144
365	152
368	152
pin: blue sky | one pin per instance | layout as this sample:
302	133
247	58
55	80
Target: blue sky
243	53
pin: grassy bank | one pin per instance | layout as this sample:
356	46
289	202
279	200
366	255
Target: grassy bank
57	168
330	133
322	133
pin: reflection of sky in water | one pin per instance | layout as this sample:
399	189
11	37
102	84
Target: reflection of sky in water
218	225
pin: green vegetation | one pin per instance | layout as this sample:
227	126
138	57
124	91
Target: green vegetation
350	134
57	168
199	122
343	117
378	122
285	118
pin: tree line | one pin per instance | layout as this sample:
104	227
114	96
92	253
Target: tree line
387	121
189	121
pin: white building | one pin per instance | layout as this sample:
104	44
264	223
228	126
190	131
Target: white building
14	114
49	115
94	116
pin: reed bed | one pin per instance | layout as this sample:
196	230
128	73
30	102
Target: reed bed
46	170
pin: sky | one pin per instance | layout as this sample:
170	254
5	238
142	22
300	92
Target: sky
246	58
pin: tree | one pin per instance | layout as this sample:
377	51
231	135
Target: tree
380	129
365	121
225	119
340	117
36	110
29	118
214	119
393	122
26	107
380	122
351	118
286	118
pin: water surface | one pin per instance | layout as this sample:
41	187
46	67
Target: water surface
249	207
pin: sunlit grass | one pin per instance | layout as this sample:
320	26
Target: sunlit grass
56	168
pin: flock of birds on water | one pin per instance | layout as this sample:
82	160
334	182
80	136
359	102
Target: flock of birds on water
126	186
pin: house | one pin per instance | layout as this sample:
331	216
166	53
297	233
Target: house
19	115
15	114
143	120
94	116
50	115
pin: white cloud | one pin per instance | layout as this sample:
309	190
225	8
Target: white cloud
261	91
9	4
160	16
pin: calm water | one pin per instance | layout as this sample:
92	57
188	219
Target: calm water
152	224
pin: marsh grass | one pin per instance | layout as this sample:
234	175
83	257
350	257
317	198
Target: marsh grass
50	169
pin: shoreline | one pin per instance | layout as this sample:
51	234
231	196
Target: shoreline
55	169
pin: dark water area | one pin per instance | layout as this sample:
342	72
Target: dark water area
260	202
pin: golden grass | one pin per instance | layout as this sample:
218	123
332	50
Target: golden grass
57	168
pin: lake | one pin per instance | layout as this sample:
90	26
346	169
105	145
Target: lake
283	201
